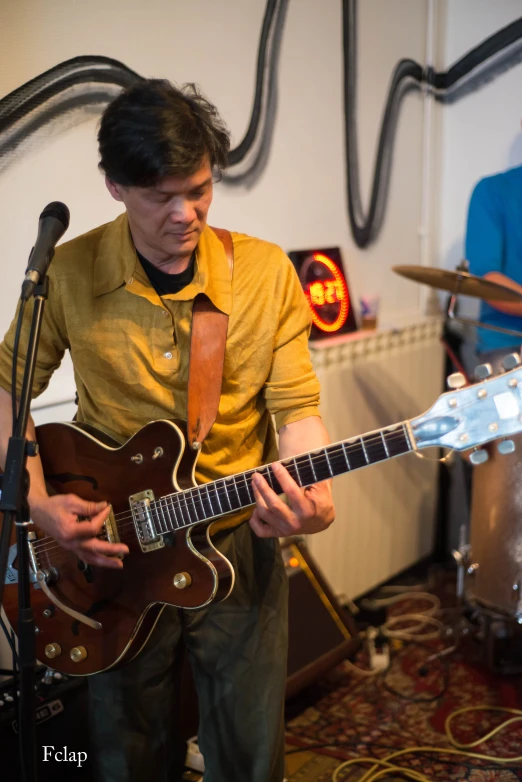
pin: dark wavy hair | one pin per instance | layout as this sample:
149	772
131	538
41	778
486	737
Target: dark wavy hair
154	129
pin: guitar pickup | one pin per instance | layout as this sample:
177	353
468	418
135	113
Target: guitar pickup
111	529
148	538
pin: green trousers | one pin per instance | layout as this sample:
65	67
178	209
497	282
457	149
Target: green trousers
238	654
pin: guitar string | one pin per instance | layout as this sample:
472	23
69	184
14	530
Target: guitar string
161	505
389	431
173	501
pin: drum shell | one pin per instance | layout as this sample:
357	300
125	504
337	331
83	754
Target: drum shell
496	531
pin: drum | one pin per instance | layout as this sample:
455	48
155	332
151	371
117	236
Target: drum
494	579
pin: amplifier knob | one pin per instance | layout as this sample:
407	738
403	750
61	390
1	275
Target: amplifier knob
182	580
53	650
78	654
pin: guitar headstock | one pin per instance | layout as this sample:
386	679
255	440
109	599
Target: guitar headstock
468	416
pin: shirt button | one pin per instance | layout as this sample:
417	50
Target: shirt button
130	281
165	313
167	355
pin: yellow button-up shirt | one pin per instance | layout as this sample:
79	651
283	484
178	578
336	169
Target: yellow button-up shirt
130	347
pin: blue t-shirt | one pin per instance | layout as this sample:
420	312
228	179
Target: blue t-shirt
494	243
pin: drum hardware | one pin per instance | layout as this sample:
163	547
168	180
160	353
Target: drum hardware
461	282
461	557
489	567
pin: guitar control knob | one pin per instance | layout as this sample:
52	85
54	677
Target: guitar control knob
506	446
511	361
182	580
456	380
53	650
483	371
479	456
78	654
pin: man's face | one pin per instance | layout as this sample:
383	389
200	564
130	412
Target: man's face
166	220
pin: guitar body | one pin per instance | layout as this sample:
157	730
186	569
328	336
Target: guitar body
126	602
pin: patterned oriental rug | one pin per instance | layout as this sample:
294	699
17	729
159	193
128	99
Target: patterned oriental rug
406	707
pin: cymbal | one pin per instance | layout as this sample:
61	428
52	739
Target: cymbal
462	283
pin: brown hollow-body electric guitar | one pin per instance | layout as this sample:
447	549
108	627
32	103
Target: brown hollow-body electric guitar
90	619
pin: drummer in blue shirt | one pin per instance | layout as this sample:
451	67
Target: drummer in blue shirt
494	251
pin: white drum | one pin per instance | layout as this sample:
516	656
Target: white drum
495	581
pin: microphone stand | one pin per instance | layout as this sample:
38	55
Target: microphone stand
14	503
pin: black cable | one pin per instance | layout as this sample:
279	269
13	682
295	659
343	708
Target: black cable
44	89
237	154
484	51
365	228
78	70
443	663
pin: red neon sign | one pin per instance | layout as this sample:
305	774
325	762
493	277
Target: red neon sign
328	291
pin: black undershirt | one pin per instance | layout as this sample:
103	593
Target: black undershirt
164	283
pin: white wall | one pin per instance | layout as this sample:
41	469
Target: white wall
300	200
481	132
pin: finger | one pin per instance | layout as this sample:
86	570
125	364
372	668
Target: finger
89	528
85	507
266	498
101	561
279	524
84	533
261	528
99	519
95	546
294	492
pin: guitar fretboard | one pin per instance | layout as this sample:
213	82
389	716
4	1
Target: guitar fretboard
227	495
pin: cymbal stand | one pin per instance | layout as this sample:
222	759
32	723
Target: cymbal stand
450	312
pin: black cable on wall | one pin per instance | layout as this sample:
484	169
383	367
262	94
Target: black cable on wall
88	81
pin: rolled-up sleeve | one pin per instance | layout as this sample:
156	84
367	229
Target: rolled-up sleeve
51	347
292	389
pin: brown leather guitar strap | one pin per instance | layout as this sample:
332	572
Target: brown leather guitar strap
207	356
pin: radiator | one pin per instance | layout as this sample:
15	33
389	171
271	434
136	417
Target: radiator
385	513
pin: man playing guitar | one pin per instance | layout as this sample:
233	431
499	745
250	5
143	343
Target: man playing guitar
121	299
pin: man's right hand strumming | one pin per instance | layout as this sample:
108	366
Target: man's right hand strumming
75	524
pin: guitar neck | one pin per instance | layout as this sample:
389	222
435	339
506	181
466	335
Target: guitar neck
228	495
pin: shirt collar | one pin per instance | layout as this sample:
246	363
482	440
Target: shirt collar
116	259
117	262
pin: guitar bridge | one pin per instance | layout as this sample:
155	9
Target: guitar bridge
148	538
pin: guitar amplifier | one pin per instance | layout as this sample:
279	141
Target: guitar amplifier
321	631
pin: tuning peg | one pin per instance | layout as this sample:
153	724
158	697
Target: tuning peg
479	456
511	361
483	371
456	380
506	446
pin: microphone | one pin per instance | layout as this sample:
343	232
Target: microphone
53	223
